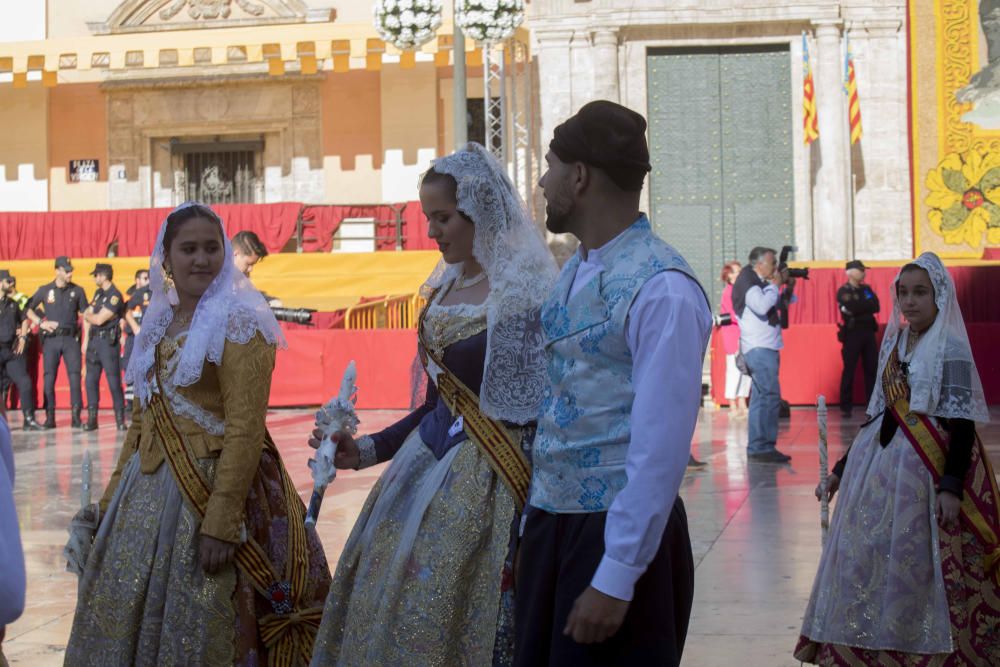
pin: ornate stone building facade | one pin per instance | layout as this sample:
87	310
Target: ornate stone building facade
721	82
138	103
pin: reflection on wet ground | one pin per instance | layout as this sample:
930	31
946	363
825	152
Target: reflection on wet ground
754	528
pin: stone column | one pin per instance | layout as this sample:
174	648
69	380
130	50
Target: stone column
606	65
883	225
554	82
831	196
582	67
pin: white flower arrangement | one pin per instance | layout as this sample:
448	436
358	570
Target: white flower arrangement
489	21
407	24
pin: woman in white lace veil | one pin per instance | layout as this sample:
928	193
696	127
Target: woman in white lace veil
430	557
910	573
942	374
199	531
230	309
521	272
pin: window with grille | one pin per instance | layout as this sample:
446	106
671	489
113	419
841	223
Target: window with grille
220	172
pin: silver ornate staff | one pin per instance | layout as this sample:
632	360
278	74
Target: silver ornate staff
824	502
87	474
83	526
336	416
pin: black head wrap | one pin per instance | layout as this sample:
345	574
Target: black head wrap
607	136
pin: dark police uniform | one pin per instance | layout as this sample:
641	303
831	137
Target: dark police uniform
138	303
63	306
858	306
103	352
12	365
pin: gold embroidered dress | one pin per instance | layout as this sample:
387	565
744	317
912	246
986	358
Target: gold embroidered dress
144	598
420	579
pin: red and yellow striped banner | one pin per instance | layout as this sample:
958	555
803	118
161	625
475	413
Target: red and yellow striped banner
853	103
810	119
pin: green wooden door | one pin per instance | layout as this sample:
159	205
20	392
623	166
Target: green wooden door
720	134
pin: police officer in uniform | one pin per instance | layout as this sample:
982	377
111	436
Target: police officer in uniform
102	333
858	306
14	327
20	297
61	301
135	309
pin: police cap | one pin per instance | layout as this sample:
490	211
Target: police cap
105	269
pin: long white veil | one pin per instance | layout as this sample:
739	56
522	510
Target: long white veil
231	309
942	374
521	271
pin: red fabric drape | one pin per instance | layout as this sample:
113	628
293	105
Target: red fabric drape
89	233
978	289
327	220
811	363
45	235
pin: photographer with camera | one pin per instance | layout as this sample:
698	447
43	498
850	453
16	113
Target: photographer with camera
248	250
762	292
858	306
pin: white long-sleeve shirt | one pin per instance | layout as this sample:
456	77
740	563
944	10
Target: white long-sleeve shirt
667	333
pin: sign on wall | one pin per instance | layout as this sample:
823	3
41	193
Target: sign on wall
84	171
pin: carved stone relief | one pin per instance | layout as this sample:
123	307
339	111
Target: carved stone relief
143	119
146	15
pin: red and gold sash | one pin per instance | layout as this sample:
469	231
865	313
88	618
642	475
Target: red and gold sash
501	447
290	632
980	509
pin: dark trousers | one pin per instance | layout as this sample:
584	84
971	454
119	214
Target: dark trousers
103	354
858	345
67	348
559	555
14	369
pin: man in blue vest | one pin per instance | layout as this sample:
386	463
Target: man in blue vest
608	575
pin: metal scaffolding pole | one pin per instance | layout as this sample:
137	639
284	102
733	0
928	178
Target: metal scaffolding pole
460	108
495	101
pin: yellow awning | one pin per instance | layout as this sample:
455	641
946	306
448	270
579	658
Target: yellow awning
322	281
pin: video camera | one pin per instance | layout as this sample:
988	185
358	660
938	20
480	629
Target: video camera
294	315
722	320
783	263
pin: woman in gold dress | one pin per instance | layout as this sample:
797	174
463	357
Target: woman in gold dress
424	578
201	555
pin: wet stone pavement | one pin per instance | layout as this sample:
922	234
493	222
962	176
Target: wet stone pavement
754	527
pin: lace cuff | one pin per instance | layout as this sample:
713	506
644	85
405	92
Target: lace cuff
366	446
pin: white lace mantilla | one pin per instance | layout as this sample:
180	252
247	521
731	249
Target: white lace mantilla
521	271
942	374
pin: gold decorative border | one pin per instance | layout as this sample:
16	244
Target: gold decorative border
957	59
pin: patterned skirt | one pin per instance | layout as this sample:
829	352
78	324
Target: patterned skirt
144	598
420	579
893	588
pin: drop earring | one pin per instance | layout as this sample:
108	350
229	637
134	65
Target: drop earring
171	290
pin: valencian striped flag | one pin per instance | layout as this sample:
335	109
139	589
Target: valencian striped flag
810	120
851	90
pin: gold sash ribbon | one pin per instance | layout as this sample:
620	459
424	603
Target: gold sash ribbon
980	509
502	450
289	636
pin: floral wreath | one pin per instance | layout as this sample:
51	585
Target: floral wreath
407	24
489	21
965	198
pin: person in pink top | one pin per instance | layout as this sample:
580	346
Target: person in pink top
737	384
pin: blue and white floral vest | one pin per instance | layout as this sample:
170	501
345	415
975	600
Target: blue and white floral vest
584	428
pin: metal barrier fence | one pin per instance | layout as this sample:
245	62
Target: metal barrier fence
392	312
